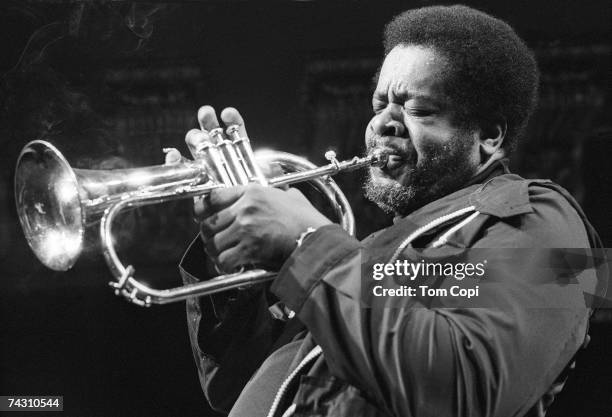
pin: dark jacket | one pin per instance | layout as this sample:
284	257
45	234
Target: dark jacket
496	355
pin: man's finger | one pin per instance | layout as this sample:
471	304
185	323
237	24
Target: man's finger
214	246
231	116
215	223
195	139
207	118
173	156
222	241
233	258
199	208
220	198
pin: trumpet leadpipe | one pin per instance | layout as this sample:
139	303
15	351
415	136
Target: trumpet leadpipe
376	159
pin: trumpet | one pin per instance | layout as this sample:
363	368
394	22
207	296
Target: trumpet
55	202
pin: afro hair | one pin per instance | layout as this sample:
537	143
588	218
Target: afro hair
492	73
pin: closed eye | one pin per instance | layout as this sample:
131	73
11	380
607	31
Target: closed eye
419	112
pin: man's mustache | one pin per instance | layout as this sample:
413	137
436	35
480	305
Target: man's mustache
390	146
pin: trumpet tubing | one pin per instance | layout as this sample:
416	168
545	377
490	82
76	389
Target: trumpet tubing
55	202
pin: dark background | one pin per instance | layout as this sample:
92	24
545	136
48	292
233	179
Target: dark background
112	83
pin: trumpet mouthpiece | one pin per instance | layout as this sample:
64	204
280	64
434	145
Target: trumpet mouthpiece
378	158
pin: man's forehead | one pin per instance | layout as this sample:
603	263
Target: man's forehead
412	70
423	56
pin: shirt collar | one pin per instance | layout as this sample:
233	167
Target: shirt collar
497	168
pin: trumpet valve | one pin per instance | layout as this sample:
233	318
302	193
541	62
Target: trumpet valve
233	132
245	154
231	160
217	135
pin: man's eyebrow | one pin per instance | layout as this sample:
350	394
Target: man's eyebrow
414	95
405	96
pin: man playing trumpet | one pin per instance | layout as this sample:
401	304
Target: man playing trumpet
454	94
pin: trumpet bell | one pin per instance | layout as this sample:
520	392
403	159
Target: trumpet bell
48	205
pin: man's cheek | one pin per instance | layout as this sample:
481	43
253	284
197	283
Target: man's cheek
378	177
370	140
405	179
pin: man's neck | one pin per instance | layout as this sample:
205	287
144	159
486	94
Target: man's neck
498	155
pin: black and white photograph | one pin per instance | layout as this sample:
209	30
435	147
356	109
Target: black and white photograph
306	208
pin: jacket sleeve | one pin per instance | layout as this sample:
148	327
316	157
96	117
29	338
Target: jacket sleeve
231	333
417	360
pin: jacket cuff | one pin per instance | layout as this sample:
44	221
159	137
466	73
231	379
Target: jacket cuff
309	262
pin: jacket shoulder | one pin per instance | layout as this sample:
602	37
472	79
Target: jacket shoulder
545	209
509	194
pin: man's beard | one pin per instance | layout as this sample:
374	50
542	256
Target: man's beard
441	170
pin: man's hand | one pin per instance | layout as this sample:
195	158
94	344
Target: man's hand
255	225
250	224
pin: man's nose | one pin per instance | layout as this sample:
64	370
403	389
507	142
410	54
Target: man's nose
389	122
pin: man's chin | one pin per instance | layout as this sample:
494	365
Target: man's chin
400	175
405	187
388	194
378	180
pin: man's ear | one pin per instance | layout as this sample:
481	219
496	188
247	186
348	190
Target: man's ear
491	137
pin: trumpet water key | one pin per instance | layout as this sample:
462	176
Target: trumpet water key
55	202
